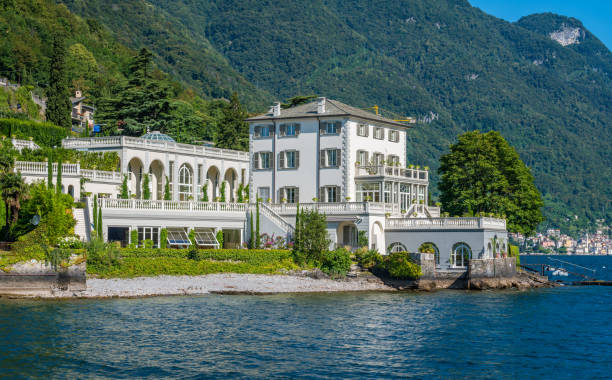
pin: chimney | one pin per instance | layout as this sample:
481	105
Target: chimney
77	94
276	109
321	105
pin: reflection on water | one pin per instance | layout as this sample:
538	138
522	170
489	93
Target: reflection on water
546	333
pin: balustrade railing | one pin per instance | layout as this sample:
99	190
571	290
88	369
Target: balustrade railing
445	223
392	171
127	141
141	204
20	144
40	168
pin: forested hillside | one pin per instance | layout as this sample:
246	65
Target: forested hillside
449	64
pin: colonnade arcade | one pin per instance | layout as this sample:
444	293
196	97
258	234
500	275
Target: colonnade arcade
186	182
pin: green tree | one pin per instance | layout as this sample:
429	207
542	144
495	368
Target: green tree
58	182
125	193
146	190
99	231
251	231
297	100
233	130
58	96
484	174
49	172
222	191
312	232
14	190
141	102
240	195
167	196
95	213
257	235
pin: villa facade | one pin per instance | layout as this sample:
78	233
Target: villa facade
342	161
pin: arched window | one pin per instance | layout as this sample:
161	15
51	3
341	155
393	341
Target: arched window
185	182
461	255
431	248
397	247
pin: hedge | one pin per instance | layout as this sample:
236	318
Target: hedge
44	134
136	262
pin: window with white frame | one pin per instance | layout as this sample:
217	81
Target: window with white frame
379	159
185	182
330	127
363	130
262	131
368	192
262	160
379	133
329	194
289	159
291	129
393	135
330	158
148	233
387	192
362	157
290	194
263	193
421	194
461	255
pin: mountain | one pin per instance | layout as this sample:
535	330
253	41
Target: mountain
544	81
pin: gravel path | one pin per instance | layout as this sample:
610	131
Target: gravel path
218	283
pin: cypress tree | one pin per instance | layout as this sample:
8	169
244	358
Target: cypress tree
257	227
95	213
296	238
146	191
59	106
252	240
49	173
167	196
125	194
234	131
99	224
58	185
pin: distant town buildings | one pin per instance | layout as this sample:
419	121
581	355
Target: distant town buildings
554	242
82	114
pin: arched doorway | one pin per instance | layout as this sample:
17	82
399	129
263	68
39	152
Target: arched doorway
377	239
135	168
156	172
213	176
461	255
71	190
431	248
185	182
232	179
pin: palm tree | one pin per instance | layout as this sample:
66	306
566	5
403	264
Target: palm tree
13	190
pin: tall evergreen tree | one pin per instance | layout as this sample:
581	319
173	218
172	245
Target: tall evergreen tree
484	174
140	103
233	130
257	238
59	106
252	232
58	185
49	173
125	193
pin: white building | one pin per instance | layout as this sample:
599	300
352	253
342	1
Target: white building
342	161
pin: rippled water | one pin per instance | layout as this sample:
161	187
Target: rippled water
551	333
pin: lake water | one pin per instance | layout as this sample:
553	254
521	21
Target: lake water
549	333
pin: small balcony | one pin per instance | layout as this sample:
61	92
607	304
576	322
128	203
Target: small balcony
395	172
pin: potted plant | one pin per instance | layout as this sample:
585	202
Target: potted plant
283	200
315	199
348	199
269	200
403	211
387	214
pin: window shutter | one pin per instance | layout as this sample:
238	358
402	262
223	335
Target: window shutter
322	194
367	130
322	158
256	161
367	158
297	129
297	194
283	129
338	126
257	131
338	157
281	160
322	128
281	194
297	159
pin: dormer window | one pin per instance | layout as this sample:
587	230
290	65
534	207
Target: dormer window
330	127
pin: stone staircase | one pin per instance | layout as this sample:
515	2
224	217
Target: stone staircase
80	228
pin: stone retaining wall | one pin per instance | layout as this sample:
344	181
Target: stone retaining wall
35	278
492	268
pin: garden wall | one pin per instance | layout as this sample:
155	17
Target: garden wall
33	278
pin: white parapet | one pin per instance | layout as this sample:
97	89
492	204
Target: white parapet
446	224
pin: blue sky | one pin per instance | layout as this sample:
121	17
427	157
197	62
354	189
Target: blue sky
596	15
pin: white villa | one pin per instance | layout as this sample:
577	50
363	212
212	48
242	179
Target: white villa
347	163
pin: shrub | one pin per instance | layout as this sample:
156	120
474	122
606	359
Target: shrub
44	134
56	256
148	243
163	238
400	265
514	252
368	258
134	239
101	255
192	253
336	262
220	238
362	238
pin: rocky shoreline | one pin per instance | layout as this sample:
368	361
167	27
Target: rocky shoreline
232	283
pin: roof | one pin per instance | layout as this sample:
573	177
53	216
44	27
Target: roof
157	136
332	108
77	100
